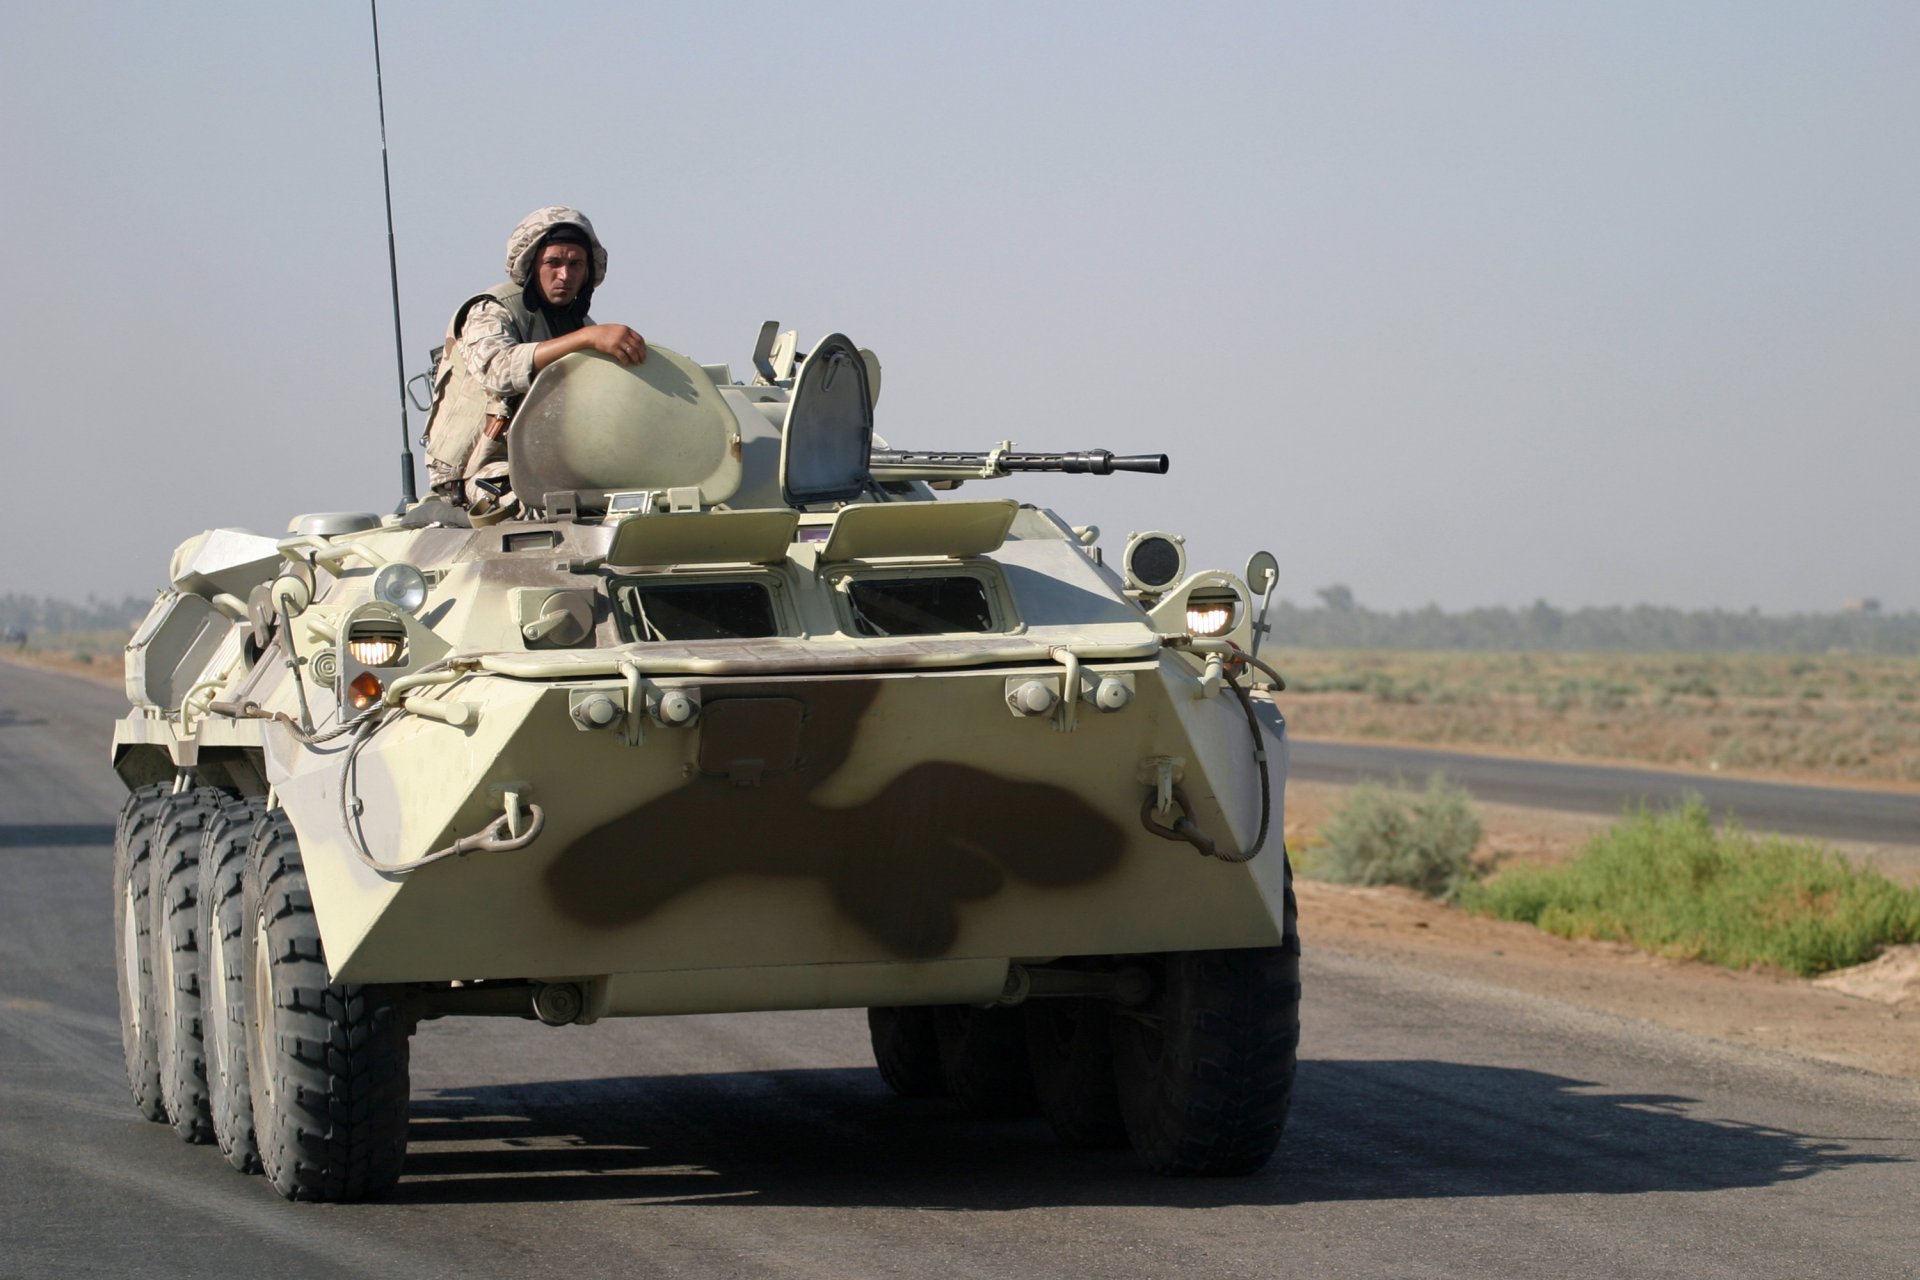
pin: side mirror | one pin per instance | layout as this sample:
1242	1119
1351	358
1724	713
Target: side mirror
1262	572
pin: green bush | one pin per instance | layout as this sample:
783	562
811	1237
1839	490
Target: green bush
1393	835
1672	884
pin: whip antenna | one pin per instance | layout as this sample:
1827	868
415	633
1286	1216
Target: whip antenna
407	493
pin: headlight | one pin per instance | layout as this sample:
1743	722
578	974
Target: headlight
400	585
375	648
1209	619
1212	611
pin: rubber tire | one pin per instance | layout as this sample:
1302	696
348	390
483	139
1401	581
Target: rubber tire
327	1061
1070	1051
177	980
222	923
1205	1085
133	943
906	1048
983	1058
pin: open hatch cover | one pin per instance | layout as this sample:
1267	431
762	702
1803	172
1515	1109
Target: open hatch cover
828	436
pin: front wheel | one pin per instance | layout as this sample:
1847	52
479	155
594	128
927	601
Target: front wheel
1070	1048
983	1059
327	1061
906	1048
1205	1068
133	944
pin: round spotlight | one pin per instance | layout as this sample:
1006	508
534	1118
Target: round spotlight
400	585
1154	561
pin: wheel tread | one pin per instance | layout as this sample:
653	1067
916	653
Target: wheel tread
1216	1101
176	884
337	1129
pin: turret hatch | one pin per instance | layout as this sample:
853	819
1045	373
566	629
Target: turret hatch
829	429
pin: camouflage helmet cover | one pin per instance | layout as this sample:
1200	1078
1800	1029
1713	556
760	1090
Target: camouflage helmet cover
533	228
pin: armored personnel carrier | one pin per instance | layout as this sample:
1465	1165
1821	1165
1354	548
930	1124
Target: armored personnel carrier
736	714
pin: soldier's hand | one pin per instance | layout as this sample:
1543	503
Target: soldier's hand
618	341
496	427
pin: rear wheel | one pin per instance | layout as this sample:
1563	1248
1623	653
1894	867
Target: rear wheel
223	1026
983	1058
327	1061
1070	1049
133	943
1205	1069
176	953
906	1048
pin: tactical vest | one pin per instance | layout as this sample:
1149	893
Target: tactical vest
459	410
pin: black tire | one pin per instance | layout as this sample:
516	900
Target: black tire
223	1024
1205	1069
133	943
983	1058
1070	1050
907	1050
327	1061
176	961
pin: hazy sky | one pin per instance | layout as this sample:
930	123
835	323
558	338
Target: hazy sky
1452	302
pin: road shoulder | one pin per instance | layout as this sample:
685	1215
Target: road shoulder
1878	1031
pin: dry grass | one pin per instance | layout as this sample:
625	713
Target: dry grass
98	655
1793	715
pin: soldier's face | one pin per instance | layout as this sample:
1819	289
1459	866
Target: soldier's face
563	273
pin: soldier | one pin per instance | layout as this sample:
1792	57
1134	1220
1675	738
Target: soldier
498	340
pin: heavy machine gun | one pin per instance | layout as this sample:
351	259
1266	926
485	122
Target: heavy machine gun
934	466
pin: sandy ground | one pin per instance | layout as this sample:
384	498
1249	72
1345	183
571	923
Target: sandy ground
1868	1017
105	670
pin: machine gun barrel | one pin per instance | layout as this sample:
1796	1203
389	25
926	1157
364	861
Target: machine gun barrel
908	464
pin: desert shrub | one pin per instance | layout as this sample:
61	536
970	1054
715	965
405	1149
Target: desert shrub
1394	835
1608	696
1671	883
1690	685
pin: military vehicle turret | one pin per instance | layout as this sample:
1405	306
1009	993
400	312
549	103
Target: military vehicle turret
736	715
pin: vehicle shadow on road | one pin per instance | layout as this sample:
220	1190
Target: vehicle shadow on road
1363	1130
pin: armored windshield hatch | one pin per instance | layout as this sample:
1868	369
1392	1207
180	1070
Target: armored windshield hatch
708	537
920	529
829	429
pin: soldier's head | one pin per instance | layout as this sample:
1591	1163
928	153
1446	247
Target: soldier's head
555	254
563	265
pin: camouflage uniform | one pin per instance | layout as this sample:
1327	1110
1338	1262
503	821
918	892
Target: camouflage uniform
486	365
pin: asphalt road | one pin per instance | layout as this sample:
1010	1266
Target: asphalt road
1834	813
1440	1128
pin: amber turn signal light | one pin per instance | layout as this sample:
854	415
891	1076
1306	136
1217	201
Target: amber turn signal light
364	691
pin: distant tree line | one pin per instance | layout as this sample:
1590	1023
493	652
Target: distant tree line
1341	622
44	613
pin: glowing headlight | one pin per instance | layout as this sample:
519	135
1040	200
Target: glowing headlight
364	691
1209	619
401	585
374	651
